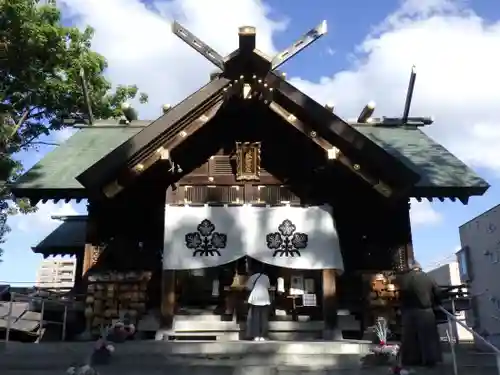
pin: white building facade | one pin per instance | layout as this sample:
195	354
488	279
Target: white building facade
446	275
56	274
479	266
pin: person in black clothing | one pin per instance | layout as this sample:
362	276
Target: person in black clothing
419	295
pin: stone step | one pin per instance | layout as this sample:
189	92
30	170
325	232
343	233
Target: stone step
149	356
198	318
204	326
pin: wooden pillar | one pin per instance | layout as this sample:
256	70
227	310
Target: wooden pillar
92	250
79	267
168	298
410	255
330	303
401	226
168	282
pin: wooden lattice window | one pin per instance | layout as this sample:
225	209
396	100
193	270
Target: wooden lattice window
276	194
213	194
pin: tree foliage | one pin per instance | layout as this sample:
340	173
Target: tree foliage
40	84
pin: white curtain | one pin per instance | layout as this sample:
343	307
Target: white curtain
200	237
294	237
291	237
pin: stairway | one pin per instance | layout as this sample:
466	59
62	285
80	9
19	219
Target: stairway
221	358
212	328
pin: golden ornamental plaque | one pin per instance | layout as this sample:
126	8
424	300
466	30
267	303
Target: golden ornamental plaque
247	161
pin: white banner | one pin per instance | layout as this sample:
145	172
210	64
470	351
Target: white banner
293	237
199	237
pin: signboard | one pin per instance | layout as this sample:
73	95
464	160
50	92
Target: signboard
247	161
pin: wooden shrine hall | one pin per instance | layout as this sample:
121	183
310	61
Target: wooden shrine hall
246	169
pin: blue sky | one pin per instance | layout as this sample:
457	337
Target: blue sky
366	55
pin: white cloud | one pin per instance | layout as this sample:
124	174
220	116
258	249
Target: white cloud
141	49
63	134
456	53
422	213
41	221
457	56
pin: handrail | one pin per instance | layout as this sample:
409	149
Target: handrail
470	330
452	318
27	298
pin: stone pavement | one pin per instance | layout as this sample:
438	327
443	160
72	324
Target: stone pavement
230	358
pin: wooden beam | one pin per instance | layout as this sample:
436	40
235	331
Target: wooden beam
225	180
333	129
153	136
300	126
380	186
164	150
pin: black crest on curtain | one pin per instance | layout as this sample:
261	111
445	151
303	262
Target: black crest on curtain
206	241
287	241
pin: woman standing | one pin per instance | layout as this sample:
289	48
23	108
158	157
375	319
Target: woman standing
258	302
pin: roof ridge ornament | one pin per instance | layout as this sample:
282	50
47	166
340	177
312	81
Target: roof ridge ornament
409	94
366	119
247	44
304	41
197	44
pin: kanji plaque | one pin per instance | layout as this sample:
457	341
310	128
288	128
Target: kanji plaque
247	161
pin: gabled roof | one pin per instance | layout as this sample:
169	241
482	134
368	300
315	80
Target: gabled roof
67	239
438	168
248	76
442	173
247	69
57	171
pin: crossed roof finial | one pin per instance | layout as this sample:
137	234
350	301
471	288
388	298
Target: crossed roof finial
247	36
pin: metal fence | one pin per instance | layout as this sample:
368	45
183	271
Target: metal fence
42	302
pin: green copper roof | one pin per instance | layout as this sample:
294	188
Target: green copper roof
436	165
58	169
67	238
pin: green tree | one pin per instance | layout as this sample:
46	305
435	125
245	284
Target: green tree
41	62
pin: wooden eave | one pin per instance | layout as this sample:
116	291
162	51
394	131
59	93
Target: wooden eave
453	193
354	145
154	136
36	195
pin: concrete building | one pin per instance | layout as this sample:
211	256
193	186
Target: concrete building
479	265
56	274
448	274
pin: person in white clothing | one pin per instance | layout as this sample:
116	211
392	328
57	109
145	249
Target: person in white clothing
258	302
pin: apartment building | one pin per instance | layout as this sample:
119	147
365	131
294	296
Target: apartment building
56	274
479	266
